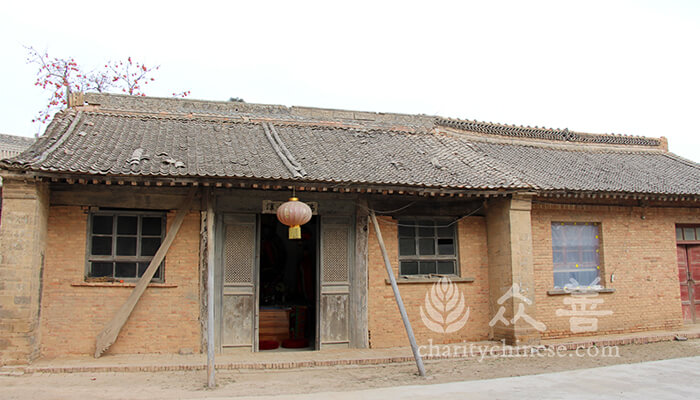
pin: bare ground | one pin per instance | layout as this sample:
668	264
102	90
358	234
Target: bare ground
179	385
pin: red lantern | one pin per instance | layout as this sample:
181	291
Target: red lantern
294	213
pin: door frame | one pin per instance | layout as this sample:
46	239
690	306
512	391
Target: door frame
692	284
250	205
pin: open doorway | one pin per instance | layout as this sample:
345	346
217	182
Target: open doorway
288	285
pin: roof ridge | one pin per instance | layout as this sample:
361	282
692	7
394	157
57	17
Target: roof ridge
684	160
558	145
528	132
282	152
62	138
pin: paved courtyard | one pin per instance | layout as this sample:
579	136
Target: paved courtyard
636	372
667	379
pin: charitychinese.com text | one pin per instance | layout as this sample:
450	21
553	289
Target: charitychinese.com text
503	350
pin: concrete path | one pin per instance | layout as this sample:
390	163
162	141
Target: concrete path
306	359
659	380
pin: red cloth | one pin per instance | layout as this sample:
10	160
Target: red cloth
268	344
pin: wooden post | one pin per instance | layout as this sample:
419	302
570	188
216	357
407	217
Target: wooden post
397	295
109	334
358	294
211	379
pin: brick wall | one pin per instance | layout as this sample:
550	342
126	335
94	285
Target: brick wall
385	325
165	320
22	250
640	252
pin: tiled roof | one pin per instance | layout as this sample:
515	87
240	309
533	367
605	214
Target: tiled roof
214	140
11	145
544	133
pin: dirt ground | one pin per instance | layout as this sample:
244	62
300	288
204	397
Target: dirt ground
184	385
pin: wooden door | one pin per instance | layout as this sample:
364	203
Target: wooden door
239	276
689	279
336	259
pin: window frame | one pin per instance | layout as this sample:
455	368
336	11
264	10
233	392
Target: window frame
438	223
683	227
159	277
600	268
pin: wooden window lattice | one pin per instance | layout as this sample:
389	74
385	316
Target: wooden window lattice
238	254
335	254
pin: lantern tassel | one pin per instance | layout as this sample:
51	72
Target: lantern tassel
295	232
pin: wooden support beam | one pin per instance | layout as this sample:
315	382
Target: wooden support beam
109	334
211	379
397	296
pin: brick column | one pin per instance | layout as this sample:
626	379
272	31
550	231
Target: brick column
509	231
25	209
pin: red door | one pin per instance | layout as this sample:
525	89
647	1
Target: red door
689	279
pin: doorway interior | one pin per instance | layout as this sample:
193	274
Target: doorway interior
288	286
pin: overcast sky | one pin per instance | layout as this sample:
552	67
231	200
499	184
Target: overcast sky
630	67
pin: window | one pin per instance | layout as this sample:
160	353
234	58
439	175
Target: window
576	254
121	244
686	233
427	246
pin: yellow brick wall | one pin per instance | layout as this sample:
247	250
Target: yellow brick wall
385	325
164	321
640	252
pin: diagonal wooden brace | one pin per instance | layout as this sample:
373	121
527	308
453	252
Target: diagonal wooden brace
397	296
110	332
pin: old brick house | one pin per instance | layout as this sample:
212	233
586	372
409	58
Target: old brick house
555	212
10	146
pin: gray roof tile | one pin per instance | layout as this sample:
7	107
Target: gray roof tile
378	149
12	145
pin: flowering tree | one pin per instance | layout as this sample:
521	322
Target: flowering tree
60	76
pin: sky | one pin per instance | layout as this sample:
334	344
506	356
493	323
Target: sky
626	67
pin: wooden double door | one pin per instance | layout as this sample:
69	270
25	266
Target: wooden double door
237	289
689	279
